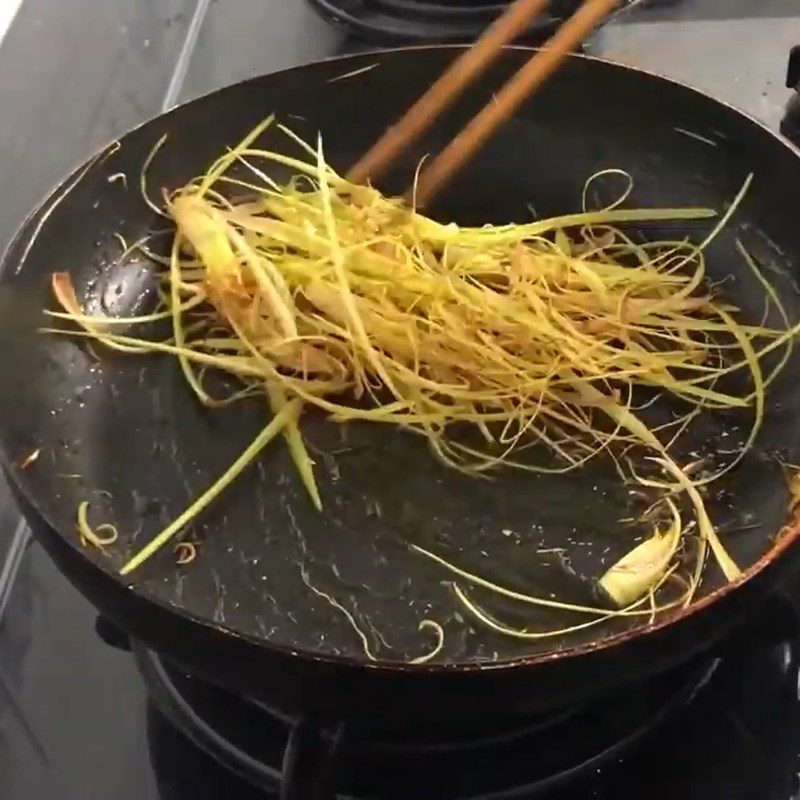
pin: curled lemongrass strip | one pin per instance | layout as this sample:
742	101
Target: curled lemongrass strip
276	425
186	552
432	625
99	537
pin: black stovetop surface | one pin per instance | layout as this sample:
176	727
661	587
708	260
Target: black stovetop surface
74	719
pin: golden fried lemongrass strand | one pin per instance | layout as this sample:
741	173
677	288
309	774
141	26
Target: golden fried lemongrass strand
294	439
94	536
704	524
64	293
633	609
638	571
287	414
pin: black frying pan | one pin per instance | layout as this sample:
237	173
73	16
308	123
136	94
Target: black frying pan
125	433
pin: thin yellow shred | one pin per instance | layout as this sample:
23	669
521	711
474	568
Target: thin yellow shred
100	537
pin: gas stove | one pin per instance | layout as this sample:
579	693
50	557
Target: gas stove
86	713
410	21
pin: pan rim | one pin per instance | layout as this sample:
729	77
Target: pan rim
783	539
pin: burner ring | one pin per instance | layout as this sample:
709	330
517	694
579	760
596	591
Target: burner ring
429	8
253	742
392	22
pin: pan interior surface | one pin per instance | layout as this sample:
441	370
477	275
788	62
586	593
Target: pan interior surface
124	433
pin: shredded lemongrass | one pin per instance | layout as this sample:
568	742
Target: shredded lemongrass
426	624
185	552
297	447
521	597
94	536
639	570
483	616
323	294
345	612
275	426
432	625
143	176
706	527
64	293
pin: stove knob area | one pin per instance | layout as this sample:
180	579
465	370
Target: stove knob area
790	124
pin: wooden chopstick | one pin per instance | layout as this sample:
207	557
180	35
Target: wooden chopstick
571	33
447	88
459	75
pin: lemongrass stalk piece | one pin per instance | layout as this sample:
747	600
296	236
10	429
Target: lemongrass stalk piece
638	571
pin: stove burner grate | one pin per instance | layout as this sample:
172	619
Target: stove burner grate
389	22
272	751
